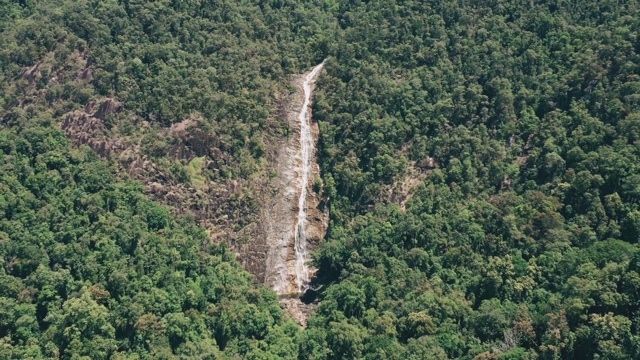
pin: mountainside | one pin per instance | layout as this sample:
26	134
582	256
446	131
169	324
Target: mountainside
479	162
173	95
92	268
522	241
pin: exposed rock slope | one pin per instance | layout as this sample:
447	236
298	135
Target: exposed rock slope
280	216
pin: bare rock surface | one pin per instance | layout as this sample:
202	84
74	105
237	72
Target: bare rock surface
401	191
279	215
83	127
297	310
102	109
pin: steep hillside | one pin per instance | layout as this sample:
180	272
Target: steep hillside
92	268
522	241
196	88
480	161
180	96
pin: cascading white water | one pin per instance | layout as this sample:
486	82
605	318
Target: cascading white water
307	148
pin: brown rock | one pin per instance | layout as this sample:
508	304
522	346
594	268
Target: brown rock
219	155
86	75
32	73
193	140
84	129
108	107
154	188
427	163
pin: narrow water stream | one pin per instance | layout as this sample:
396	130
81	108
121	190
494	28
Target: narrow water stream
307	149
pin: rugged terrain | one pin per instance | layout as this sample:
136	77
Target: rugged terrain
281	214
482	161
265	243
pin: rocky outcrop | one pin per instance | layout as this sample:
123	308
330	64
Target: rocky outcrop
32	73
427	163
87	126
219	207
190	140
86	76
225	207
402	190
297	310
47	72
100	109
210	204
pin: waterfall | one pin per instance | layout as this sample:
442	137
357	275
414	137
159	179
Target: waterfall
307	149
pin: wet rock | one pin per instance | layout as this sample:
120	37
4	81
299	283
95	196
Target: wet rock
280	206
297	310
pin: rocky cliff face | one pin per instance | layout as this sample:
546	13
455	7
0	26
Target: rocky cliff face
280	210
218	206
87	126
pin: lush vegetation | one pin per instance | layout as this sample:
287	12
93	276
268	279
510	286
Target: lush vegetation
521	243
90	268
221	61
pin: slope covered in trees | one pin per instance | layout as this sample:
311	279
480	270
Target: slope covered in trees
518	121
522	242
90	267
220	67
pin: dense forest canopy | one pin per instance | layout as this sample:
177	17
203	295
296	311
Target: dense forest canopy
517	122
522	242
